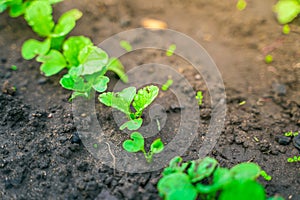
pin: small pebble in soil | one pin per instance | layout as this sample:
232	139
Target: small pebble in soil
279	89
41	81
283	140
296	142
75	138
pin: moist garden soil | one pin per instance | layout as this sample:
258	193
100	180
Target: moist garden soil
41	155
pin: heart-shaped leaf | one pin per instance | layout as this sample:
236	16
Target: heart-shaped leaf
245	171
132	125
100	84
53	62
176	186
157	146
32	48
136	144
201	169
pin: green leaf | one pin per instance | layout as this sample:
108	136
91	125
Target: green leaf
66	23
176	186
56	42
93	59
201	169
32	48
53	62
246	190
39	16
17	8
144	98
221	178
245	171
136	144
132	125
100	84
79	94
120	100
157	146
116	66
54	1
126	45
175	166
287	10
67	82
73	46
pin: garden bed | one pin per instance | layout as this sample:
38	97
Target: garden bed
42	156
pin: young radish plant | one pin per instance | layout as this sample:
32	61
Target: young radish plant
128	97
86	63
137	144
205	179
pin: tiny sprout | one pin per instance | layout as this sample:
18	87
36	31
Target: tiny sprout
294	159
291	134
286	29
166	86
199	97
126	45
137	144
95	146
265	175
241	5
268	59
242	103
14	67
171	50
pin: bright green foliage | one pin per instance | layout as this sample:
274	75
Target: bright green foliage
72	47
205	179
144	98
32	48
294	159
266	176
241	5
89	74
116	66
199	97
291	134
137	144
133	124
39	16
286	29
287	10
53	62
127	97
166	86
268	59
14	68
126	45
66	23
171	50
177	186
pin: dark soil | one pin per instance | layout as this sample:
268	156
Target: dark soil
41	155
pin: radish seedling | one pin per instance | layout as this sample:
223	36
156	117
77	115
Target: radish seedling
199	97
286	29
268	59
166	86
205	179
294	159
126	45
241	5
123	100
171	50
137	144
